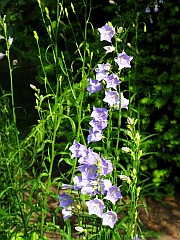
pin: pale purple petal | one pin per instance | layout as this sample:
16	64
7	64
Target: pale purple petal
94	136
78	150
123	60
124	101
112	81
99	113
112	98
65	200
113	194
106	32
109	219
93	86
105	167
95	206
67	213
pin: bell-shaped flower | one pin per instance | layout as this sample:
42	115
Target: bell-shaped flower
65	200
95	206
90	158
99	113
109	219
98	125
94	136
77	150
112	98
93	86
89	172
112	81
104	167
113	194
106	32
123	60
67	213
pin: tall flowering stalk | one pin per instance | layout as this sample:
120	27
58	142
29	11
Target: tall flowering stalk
97	178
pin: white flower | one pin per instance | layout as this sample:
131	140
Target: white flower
109	49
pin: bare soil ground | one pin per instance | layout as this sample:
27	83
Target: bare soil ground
163	217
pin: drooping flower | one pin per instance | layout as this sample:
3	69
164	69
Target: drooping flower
112	98
109	219
124	101
99	113
1	55
95	206
67	213
106	32
65	200
156	9
147	10
93	86
10	41
113	194
78	150
123	60
109	49
112	81
94	136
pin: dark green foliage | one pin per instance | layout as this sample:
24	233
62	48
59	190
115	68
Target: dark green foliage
155	77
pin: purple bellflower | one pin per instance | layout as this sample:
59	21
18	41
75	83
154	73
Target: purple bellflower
93	86
102	70
156	9
95	206
90	158
67	213
99	113
106	32
112	81
77	150
94	136
112	98
113	194
105	167
105	184
89	172
98	125
147	10
65	200
77	182
103	67
109	218
123	60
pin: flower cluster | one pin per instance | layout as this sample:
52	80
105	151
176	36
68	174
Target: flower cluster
155	7
95	169
92	181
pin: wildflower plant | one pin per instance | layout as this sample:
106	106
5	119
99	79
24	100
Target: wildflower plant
96	180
